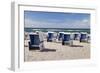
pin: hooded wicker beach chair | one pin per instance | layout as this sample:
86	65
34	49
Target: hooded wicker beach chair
83	37
67	39
36	42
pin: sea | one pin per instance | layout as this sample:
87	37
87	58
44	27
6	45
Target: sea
57	30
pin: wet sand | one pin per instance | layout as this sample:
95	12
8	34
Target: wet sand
57	51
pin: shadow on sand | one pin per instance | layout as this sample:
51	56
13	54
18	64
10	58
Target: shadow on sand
48	50
76	46
44	50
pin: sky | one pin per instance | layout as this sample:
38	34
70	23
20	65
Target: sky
37	19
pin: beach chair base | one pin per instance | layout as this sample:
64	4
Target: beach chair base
31	47
35	47
83	40
67	43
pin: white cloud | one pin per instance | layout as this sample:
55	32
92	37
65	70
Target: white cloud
52	24
85	20
38	24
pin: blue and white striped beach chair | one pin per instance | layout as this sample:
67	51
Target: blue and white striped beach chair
60	36
67	39
50	37
83	37
35	42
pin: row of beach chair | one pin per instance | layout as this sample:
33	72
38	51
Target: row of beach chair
37	39
68	37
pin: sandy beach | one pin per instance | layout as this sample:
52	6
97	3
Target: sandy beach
57	51
56	30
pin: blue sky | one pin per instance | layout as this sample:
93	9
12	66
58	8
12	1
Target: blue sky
36	19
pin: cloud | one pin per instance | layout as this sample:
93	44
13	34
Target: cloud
85	23
38	24
85	20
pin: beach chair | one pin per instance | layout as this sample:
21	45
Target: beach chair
35	42
50	37
83	37
67	39
60	36
76	36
